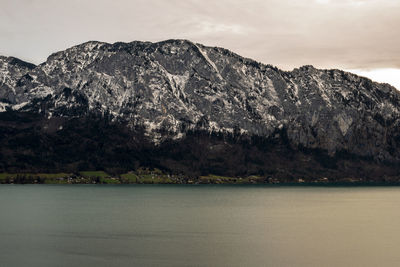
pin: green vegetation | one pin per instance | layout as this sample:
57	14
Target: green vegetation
94	174
53	181
140	176
130	178
32	177
216	179
110	181
3	176
99	177
147	176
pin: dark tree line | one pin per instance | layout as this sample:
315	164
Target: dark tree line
31	143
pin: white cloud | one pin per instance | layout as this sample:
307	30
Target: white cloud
390	76
207	27
323	1
356	3
344	34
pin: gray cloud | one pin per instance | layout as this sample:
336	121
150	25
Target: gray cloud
349	34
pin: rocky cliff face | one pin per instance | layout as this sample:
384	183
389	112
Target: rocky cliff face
175	87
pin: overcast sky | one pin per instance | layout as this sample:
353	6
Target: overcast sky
358	35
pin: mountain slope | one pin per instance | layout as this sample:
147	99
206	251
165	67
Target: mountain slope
160	94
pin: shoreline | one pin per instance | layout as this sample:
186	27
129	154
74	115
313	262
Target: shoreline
159	178
200	181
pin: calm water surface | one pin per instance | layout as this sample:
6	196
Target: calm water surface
92	225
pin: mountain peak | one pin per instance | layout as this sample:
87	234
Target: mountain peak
176	86
17	62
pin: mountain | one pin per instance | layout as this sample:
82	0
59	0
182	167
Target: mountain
187	108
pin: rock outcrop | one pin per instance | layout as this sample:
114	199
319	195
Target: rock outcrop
174	88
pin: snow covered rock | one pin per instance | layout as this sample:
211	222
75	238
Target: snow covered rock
176	86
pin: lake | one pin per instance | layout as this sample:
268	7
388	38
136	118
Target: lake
199	225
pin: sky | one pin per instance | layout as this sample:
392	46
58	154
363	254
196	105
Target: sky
361	36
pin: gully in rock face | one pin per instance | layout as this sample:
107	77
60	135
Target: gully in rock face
187	108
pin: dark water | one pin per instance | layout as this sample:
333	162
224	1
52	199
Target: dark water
89	225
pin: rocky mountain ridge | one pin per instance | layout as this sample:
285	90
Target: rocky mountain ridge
176	86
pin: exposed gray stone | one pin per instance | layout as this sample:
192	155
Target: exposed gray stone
177	85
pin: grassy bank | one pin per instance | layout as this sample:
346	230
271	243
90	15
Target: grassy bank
155	176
